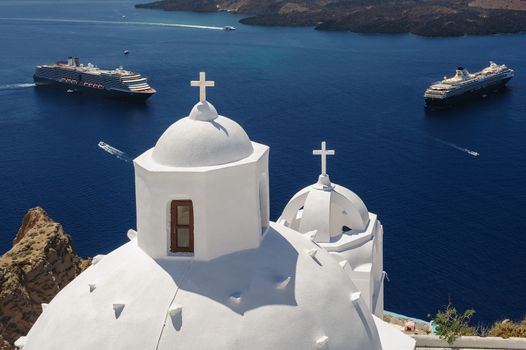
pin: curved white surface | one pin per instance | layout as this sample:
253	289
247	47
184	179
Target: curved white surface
202	139
356	203
238	301
325	209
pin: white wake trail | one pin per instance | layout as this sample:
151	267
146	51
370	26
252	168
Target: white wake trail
86	21
16	86
465	150
114	152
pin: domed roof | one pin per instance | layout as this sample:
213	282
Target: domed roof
204	138
329	209
281	295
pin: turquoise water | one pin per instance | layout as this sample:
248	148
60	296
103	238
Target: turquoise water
454	223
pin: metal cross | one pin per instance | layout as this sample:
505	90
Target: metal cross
203	84
323	152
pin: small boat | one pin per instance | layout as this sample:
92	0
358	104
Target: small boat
70	91
126	52
229	28
102	144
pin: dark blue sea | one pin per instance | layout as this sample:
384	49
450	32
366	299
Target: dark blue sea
455	224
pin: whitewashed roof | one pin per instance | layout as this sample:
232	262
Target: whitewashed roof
204	138
287	294
324	209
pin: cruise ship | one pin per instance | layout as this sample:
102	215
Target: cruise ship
74	76
464	85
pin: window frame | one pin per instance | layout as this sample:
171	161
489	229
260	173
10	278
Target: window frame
174	248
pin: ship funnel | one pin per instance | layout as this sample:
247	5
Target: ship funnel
460	73
76	61
70	61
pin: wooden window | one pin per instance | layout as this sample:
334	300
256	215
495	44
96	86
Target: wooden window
182	226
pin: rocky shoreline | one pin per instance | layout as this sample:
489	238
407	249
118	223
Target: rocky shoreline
425	18
41	262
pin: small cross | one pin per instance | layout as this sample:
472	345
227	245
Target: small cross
323	152
203	84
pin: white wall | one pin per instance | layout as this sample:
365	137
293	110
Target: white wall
226	203
469	342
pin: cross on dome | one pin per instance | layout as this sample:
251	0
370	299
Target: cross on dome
202	84
323	152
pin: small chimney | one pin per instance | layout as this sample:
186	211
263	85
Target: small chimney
460	72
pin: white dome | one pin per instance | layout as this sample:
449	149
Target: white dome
204	138
327	208
279	296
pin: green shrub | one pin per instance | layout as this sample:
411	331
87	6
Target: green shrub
450	324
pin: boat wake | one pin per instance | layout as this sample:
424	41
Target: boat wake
16	86
86	21
462	149
115	152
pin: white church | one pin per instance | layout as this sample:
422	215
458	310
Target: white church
206	269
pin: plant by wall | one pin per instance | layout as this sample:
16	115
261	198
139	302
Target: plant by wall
450	324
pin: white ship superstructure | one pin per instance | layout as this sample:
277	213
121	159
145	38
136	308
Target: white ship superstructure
465	84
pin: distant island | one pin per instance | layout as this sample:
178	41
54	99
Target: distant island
421	17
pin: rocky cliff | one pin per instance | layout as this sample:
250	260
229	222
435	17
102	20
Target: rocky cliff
421	17
40	263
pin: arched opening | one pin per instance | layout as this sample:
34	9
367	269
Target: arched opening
182	226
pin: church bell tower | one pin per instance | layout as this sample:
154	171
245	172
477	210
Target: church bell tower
202	191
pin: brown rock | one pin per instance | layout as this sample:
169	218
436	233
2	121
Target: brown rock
427	18
41	262
4	345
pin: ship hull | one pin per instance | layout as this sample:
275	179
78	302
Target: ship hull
109	93
476	93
